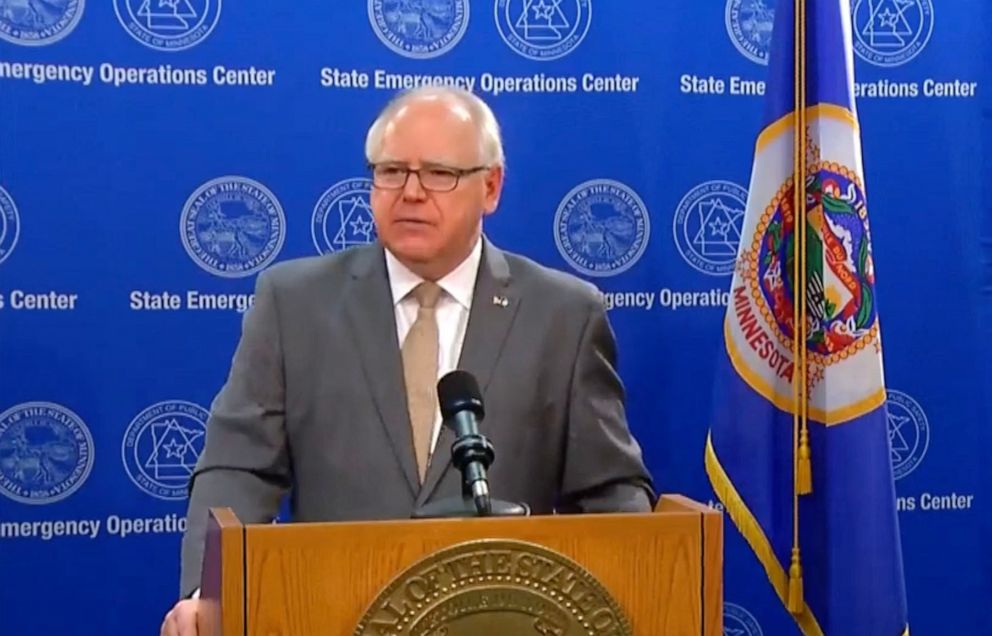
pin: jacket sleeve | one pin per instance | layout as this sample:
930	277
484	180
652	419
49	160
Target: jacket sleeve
245	461
604	470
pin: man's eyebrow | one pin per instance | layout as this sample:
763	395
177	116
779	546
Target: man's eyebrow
426	163
439	164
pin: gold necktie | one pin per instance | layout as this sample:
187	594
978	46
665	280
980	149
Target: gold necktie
420	352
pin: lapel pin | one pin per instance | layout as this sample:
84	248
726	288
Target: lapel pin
500	301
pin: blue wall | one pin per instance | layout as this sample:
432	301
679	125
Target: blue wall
134	176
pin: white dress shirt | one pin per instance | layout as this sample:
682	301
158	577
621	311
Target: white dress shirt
451	311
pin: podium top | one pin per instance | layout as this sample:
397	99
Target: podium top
667	504
662	568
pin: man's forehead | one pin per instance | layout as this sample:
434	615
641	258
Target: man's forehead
433	105
434	118
430	140
427	143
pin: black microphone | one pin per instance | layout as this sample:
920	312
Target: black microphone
472	453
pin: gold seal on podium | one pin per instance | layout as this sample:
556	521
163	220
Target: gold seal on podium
490	587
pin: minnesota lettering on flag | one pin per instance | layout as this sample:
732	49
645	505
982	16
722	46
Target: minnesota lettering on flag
798	450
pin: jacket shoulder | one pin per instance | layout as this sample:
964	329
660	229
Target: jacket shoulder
552	284
302	273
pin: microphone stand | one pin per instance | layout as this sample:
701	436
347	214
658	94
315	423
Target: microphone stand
472	455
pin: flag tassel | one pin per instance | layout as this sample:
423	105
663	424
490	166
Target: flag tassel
805	471
795	601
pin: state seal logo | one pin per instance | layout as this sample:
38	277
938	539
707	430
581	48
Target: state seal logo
737	621
843	348
10	225
909	432
707	226
749	24
342	217
168	25
602	227
161	446
543	29
891	32
842	317
494	587
419	29
232	227
46	453
36	22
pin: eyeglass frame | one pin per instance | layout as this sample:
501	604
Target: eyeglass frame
458	172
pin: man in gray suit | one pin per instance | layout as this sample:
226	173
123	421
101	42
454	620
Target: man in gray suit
331	395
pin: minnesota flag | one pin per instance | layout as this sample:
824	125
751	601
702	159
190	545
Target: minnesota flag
798	450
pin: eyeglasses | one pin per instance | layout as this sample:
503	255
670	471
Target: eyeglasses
434	178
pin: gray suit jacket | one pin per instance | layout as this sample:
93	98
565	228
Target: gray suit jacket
315	406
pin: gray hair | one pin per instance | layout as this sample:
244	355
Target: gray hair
490	140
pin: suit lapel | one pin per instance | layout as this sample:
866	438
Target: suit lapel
373	325
494	306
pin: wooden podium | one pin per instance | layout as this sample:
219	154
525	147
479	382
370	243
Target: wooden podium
662	569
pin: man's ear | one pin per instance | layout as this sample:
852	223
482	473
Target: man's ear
494	188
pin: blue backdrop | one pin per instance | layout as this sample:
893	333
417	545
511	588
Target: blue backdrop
156	154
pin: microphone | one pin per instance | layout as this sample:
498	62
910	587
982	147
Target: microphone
472	453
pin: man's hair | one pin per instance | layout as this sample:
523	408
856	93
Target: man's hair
491	142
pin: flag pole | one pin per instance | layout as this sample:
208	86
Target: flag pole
804	473
800	438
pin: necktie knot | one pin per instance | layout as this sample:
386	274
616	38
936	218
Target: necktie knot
427	294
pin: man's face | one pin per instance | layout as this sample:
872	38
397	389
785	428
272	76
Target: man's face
432	232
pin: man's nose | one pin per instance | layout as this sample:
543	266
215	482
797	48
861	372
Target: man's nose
414	190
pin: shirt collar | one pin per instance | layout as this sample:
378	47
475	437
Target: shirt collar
459	283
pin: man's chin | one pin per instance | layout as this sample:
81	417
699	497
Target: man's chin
413	252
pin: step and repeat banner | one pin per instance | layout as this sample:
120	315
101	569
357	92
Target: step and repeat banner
155	155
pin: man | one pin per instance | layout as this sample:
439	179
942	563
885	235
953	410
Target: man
331	394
